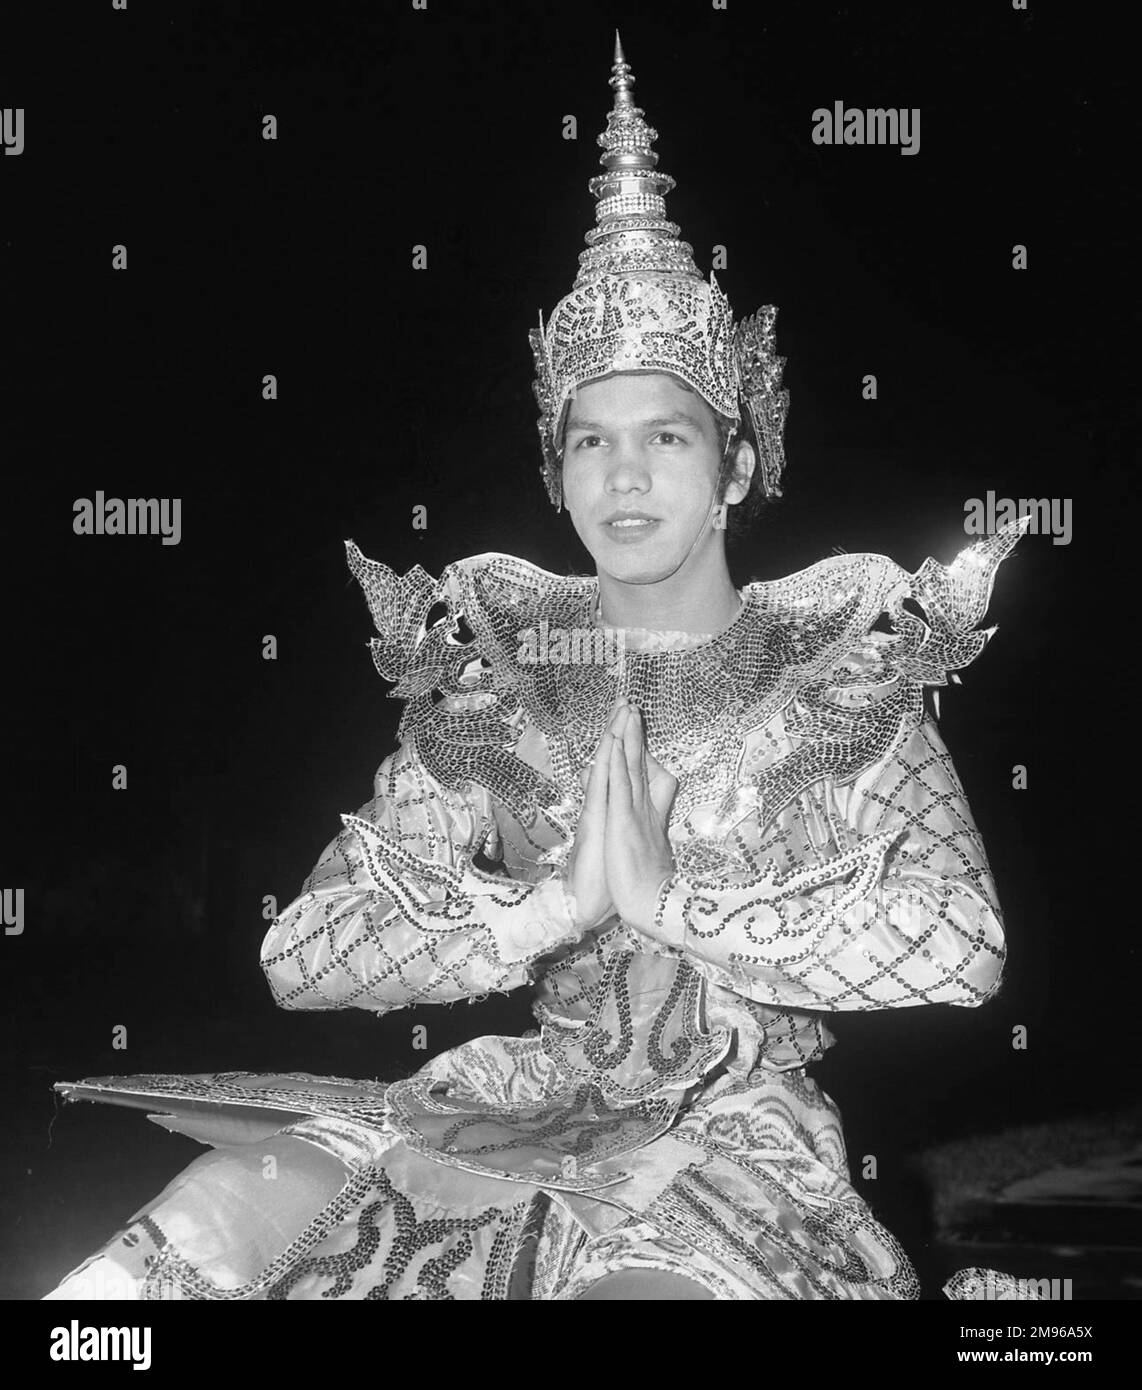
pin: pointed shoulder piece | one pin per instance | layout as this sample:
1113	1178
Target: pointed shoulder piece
851	693
458	675
941	635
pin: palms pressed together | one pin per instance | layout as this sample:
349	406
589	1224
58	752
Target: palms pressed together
622	854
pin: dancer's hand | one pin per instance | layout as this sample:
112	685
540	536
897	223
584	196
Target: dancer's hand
586	866
640	792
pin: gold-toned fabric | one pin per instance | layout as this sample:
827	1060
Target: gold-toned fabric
661	1115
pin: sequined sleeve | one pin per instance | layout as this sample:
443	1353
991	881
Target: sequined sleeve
893	905
395	913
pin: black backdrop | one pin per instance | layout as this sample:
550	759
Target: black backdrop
397	388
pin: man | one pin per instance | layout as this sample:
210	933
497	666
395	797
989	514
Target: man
743	823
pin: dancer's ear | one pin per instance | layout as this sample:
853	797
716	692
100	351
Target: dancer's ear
745	461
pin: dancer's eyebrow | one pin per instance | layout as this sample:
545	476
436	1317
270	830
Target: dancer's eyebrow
678	418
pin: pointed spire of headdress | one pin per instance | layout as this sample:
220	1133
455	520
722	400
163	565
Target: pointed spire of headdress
631	232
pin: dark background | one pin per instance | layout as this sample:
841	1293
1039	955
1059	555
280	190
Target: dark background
397	388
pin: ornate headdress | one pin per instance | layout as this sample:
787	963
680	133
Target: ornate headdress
639	303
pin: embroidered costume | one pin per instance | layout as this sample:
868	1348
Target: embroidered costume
661	1115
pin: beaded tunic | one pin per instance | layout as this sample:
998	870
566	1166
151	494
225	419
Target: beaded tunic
660	1116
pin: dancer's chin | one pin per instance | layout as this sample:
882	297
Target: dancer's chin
635	567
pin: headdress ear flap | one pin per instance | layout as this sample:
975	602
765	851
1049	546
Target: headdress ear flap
543	387
553	481
764	404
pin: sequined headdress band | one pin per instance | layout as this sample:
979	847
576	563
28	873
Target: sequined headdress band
639	303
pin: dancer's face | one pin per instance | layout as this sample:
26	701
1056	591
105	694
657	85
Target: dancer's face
640	444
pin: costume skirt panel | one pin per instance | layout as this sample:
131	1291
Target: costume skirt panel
746	1192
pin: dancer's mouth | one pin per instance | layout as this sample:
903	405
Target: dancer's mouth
625	527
